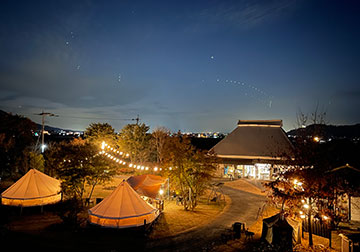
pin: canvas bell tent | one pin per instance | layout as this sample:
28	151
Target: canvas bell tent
281	230
33	189
123	208
147	185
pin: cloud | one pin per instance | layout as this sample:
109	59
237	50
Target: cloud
245	15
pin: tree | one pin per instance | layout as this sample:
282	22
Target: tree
96	133
191	169
158	141
135	140
30	160
16	134
100	171
78	162
302	187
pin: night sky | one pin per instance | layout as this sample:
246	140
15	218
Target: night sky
186	65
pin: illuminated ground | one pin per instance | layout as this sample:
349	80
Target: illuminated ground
177	229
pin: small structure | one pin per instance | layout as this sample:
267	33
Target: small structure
255	149
349	176
147	185
123	208
281	230
33	189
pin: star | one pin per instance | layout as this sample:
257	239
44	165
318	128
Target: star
211	57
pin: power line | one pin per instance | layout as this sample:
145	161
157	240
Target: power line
98	118
137	119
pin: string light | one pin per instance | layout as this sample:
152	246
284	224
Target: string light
104	145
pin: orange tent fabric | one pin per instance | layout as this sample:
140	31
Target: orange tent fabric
123	208
147	184
33	189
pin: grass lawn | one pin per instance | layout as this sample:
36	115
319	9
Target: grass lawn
174	219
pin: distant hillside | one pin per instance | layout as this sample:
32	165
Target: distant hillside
55	129
47	128
330	131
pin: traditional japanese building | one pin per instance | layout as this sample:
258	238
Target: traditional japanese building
255	149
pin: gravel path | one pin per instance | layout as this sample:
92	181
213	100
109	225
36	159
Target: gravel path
243	208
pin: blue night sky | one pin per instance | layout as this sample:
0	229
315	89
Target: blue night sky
185	65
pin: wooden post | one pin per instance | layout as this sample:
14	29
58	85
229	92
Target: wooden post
349	207
309	223
302	229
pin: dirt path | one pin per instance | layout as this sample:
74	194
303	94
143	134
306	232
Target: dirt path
244	207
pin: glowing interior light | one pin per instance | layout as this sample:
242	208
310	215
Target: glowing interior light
306	206
103	145
155	168
130	165
161	192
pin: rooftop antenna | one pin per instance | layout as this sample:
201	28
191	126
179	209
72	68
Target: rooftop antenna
137	119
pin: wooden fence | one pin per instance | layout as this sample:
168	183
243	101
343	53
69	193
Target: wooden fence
318	228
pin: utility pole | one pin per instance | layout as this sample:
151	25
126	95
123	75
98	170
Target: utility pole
43	114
